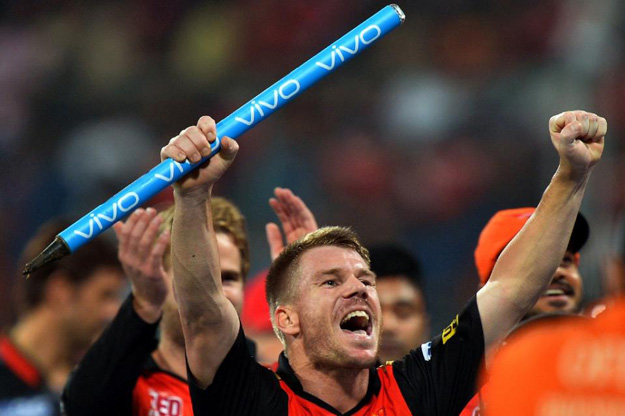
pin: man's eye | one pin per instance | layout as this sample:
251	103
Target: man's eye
229	277
567	260
367	282
330	283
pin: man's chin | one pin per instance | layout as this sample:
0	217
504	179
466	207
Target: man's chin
359	358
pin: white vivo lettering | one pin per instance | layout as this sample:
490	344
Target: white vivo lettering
325	66
283	87
125	204
97	221
368	29
366	36
171	172
131	206
339	53
111	218
355	49
260	110
247	122
275	101
287	90
83	235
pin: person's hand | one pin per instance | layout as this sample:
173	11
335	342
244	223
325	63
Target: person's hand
193	143
141	250
295	217
578	136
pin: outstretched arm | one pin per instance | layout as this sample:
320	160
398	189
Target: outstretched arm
209	321
296	219
525	268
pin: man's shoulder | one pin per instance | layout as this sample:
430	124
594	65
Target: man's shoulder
19	398
18	376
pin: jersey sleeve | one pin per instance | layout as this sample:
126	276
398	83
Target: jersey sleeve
241	387
439	377
103	381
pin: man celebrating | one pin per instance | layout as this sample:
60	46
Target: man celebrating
325	307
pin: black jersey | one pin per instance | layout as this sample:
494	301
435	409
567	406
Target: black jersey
437	378
23	390
118	376
103	381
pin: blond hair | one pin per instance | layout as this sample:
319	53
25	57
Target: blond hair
281	282
227	218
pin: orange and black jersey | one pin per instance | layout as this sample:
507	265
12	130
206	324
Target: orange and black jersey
23	390
118	376
103	381
160	393
437	378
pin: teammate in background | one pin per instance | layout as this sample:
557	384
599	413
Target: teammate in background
325	307
62	308
405	321
564	293
128	371
576	368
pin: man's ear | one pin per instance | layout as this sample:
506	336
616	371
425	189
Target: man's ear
287	320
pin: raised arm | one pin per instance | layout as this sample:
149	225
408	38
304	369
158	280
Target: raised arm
296	219
525	268
209	321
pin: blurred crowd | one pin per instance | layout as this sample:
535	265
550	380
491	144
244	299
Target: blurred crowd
418	141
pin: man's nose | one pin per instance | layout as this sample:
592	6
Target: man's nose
355	287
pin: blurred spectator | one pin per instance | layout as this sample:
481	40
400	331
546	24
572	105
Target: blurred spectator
564	294
405	321
62	308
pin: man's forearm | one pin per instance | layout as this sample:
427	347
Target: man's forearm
527	264
195	257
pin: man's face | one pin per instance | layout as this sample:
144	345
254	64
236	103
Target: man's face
230	263
565	291
92	305
231	279
338	308
405	323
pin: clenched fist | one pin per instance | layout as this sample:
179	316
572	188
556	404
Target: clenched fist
578	136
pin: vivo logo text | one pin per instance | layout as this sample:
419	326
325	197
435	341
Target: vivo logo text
286	90
172	164
124	204
366	36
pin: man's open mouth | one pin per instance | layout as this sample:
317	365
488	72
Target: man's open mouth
357	322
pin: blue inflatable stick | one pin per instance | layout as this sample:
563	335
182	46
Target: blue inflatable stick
260	107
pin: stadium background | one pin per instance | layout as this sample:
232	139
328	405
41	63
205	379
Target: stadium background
419	140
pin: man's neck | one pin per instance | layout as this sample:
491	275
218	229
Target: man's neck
341	388
41	328
169	356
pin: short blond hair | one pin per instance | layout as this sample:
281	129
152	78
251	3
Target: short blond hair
281	283
228	219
